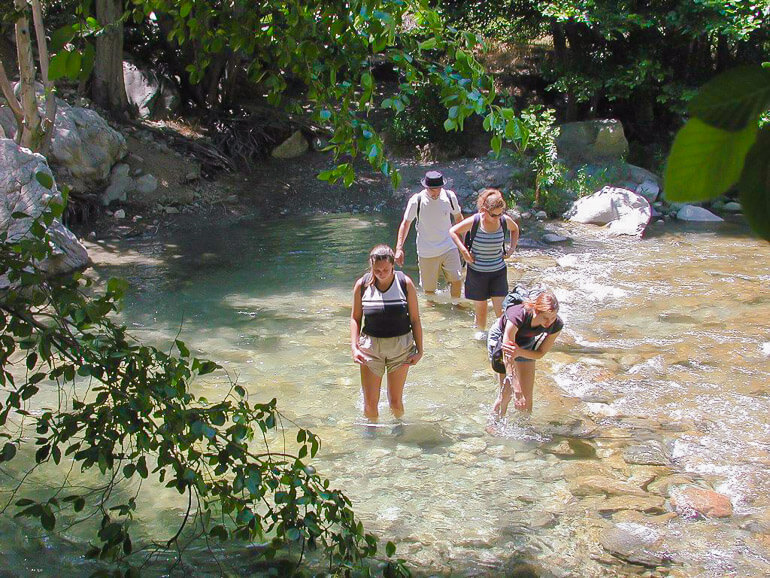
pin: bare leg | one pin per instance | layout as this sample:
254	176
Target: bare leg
526	374
396	380
370	385
504	395
497	305
480	308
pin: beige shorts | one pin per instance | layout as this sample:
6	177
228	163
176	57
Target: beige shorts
449	262
386	352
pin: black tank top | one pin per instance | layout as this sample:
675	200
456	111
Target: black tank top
385	314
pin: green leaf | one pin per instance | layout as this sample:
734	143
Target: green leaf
74	59
8	452
497	144
704	161
183	351
390	549
57	68
754	185
733	99
87	65
428	44
185	10
47	519
61	37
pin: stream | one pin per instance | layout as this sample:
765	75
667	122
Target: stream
658	382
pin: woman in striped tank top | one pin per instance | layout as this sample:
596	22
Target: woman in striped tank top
487	275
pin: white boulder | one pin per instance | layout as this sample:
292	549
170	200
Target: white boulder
623	212
83	147
22	192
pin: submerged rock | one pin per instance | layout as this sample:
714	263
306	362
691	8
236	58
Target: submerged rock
651	453
635	543
694	502
594	485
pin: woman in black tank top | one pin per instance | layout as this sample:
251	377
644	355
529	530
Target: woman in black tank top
385	330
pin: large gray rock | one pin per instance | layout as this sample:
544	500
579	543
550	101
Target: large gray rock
592	141
294	146
697	214
20	192
152	96
84	147
622	211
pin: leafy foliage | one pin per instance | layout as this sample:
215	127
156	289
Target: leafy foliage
127	411
722	146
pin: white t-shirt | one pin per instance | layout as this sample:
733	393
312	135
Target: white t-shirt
435	221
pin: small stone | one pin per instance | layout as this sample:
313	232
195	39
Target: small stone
136	218
119	214
171	210
526	216
733	207
541	215
91	236
146	184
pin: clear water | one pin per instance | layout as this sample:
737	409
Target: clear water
666	341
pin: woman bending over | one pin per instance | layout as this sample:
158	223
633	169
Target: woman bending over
528	331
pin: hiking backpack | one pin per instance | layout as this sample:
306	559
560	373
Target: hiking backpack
471	235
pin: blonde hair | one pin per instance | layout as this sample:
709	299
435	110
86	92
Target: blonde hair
544	301
490	199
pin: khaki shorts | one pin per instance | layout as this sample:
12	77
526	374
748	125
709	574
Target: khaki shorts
386	352
449	262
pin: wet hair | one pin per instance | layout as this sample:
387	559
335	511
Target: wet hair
544	301
490	199
379	253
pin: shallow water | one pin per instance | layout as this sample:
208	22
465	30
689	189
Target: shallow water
666	347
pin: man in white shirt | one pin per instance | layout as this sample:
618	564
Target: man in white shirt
433	209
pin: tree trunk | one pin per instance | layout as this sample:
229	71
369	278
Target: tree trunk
108	89
31	133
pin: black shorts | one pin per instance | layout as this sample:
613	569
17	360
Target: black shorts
481	286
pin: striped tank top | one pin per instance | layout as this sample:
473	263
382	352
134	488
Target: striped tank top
487	251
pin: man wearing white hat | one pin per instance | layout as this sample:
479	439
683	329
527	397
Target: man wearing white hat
433	209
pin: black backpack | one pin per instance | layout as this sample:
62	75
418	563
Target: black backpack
471	235
517	296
